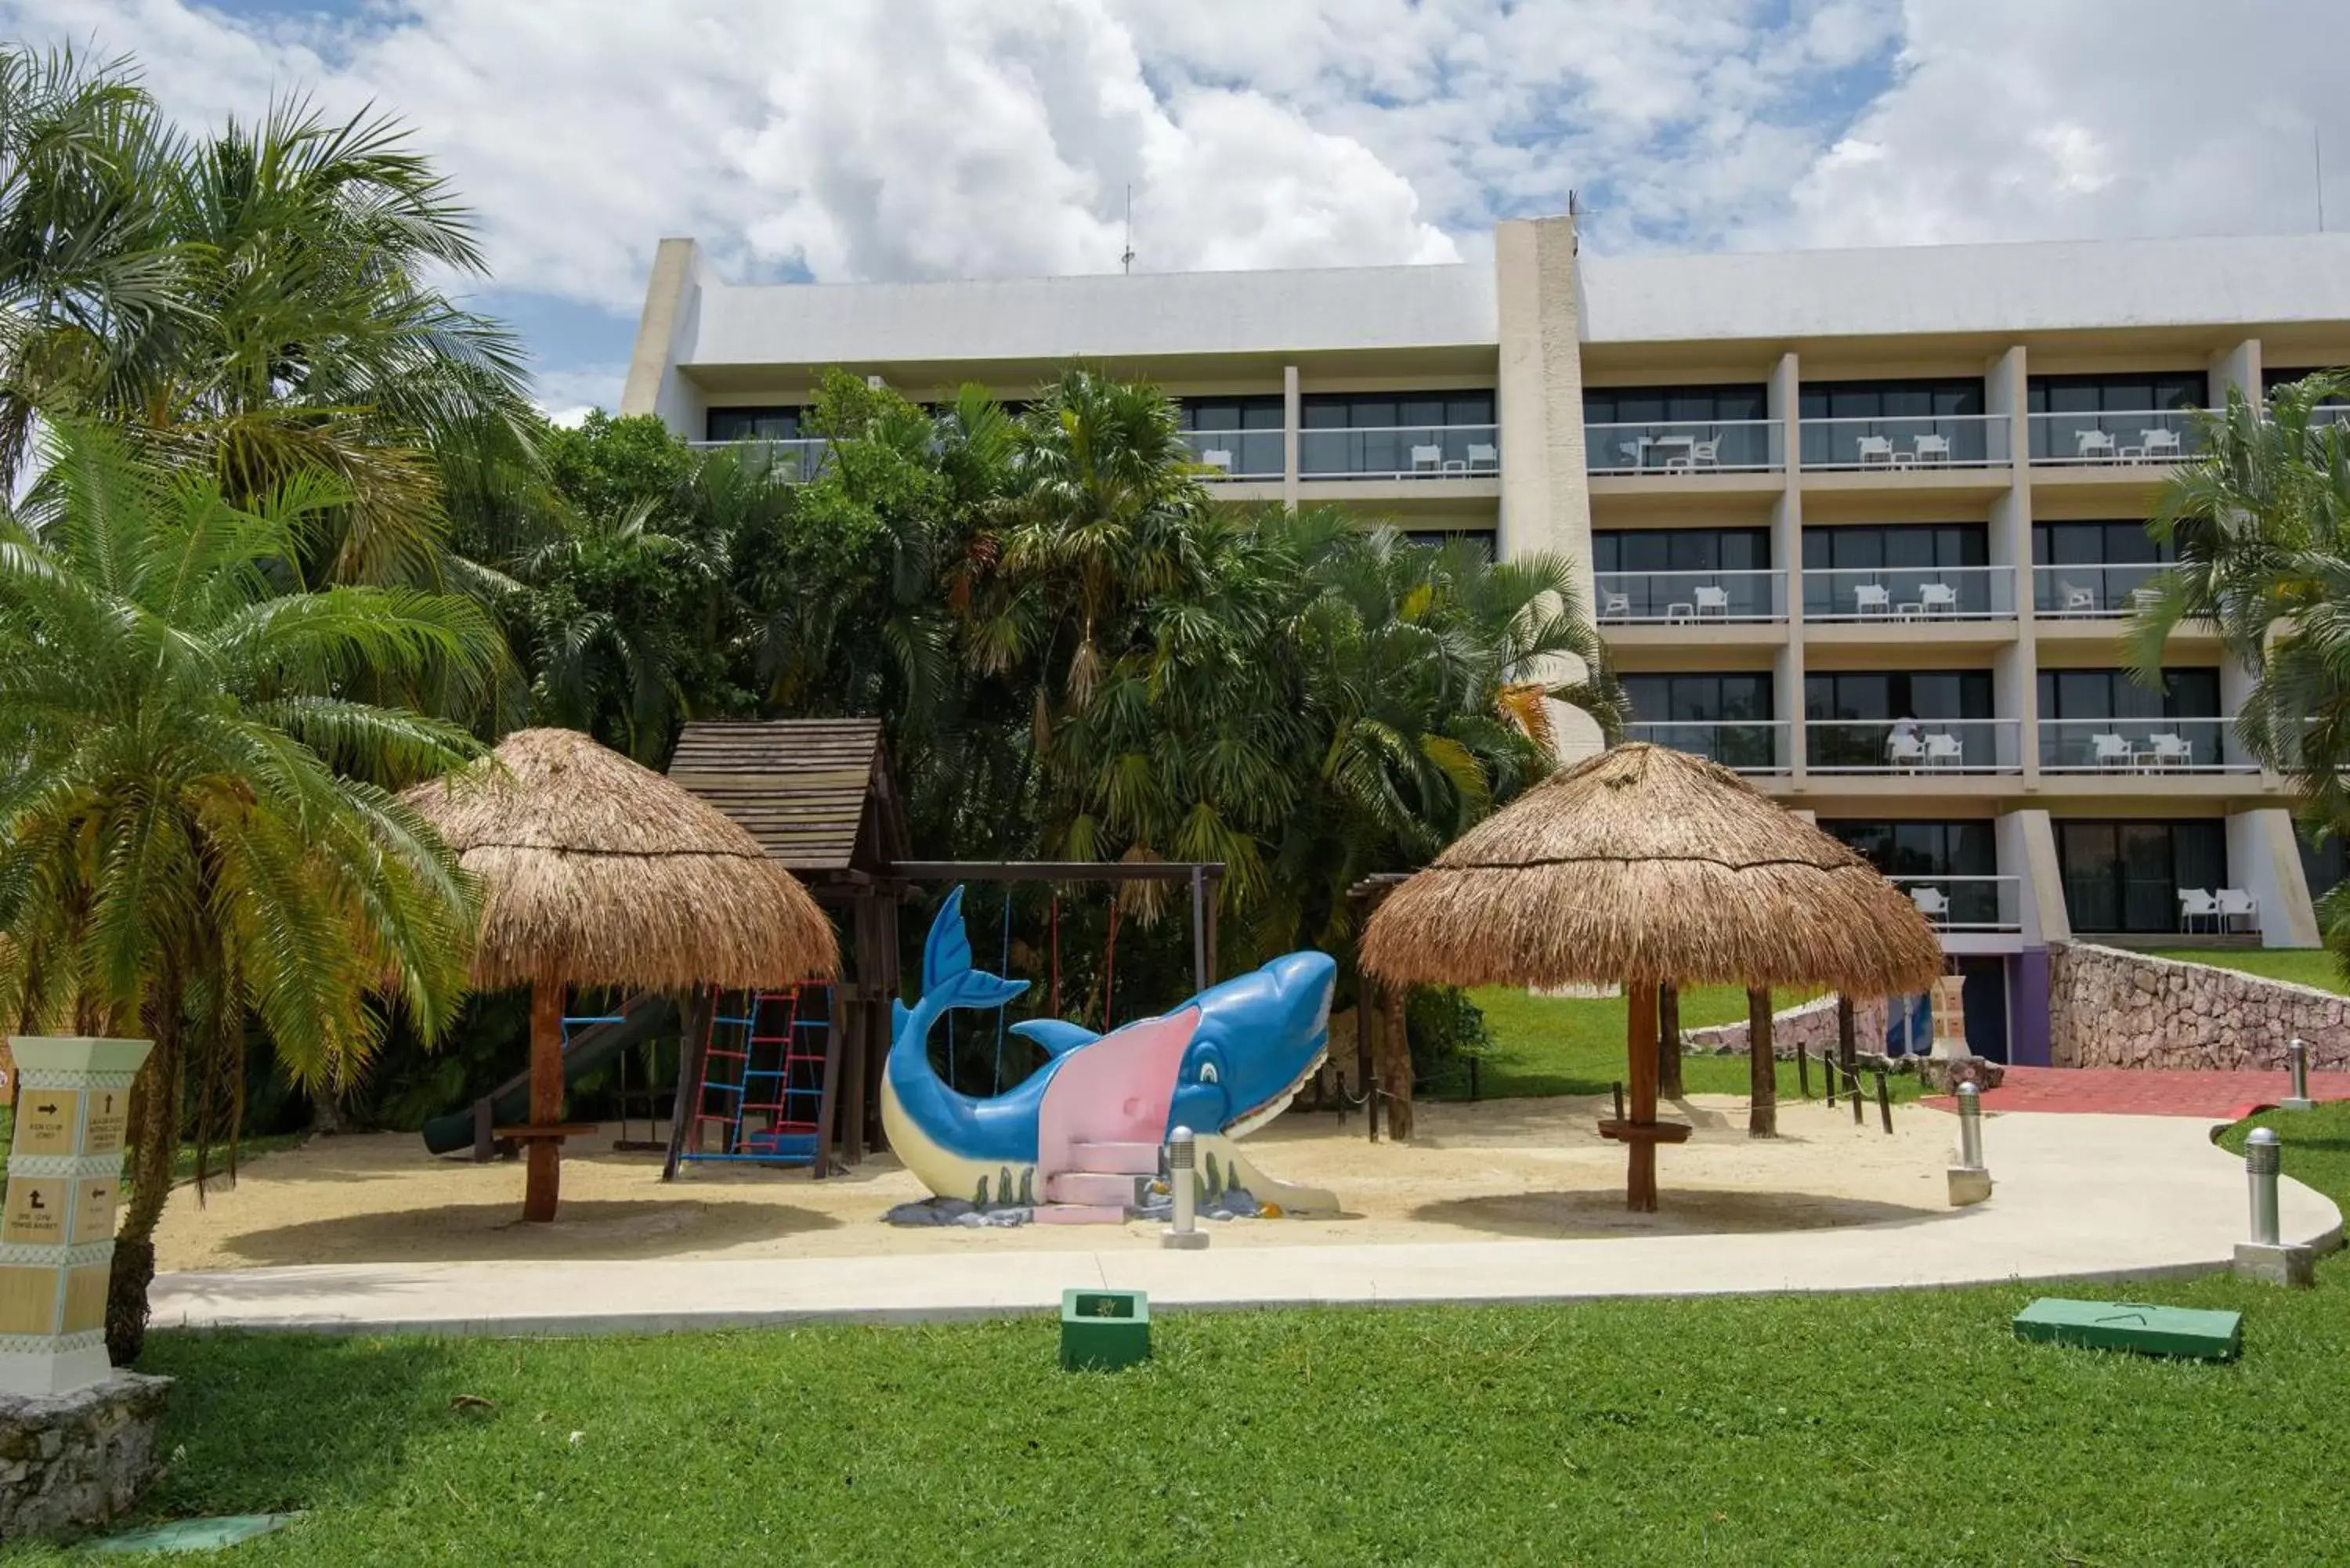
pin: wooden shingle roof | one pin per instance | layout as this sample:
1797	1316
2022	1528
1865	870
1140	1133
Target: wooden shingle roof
814	792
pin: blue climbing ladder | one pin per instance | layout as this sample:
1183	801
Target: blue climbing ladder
761	1096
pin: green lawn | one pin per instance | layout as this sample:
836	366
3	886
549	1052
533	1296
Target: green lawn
2302	966
1887	1428
1546	1046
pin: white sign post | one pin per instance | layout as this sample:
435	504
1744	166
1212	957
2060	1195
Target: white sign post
56	1225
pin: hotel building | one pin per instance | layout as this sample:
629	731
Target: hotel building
1862	525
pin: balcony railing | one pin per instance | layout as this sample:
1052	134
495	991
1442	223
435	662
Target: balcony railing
1693	446
1238	454
798	460
2138	746
1746	746
2100	440
2078	592
1635	599
1920	441
1913	746
1402	452
1909	593
1966	903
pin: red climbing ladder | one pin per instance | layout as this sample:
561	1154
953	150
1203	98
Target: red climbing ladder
762	1079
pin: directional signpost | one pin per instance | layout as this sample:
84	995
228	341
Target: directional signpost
57	1223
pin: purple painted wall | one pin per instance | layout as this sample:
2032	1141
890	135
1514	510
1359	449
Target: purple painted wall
2027	1003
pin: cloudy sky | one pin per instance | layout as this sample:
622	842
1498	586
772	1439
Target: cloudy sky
844	139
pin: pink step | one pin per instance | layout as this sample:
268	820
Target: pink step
1089	1187
1120	1158
1080	1214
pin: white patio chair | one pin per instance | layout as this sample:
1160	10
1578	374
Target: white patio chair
1632	451
1216	457
2158	446
1938	598
2109	751
1706	454
1933	449
2164	751
1870	599
1932	903
2197	904
1713	602
1905	751
1427	459
2235	904
2074	600
1485	459
1615	607
1876	450
2093	446
1945	751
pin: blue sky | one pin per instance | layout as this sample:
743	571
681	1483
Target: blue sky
844	139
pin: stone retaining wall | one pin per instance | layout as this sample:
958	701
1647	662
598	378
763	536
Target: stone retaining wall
78	1459
1811	1025
2108	1008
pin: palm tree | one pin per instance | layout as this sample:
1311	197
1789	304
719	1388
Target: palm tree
199	820
2261	528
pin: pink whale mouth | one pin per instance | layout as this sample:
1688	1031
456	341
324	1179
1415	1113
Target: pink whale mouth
1117	1089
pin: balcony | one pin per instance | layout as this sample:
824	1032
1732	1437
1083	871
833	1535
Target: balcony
1924	441
1698	446
1746	746
2112	439
2138	746
2091	593
795	460
1968	904
1921	746
1670	599
1399	452
1239	455
1909	593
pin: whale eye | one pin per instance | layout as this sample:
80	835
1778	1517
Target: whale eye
1208	1073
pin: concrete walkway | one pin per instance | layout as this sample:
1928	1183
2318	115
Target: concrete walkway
2079	1197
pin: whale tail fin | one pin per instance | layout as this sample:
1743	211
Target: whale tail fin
949	978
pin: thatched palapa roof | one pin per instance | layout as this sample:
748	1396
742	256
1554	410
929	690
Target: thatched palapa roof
1647	863
596	871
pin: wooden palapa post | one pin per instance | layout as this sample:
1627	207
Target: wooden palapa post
1668	1041
1762	1066
545	1178
1639	1149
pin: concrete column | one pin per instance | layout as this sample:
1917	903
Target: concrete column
1293	419
2264	860
1545	498
665	337
1782	402
2027	849
2015	674
2237	368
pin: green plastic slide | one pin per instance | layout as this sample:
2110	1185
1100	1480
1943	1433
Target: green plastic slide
642	1018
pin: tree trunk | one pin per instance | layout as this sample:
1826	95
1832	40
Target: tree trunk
153	1134
545	1170
1395	1072
1668	1041
1762	1066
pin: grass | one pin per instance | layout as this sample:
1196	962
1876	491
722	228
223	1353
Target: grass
2302	966
1885	1428
1575	1046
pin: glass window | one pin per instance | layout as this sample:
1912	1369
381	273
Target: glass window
1650	405
2272	377
1387	411
1922	848
1683	549
1905	398
1725	717
2324	864
2122	392
2192	693
1878	697
2120	542
775	422
2127	876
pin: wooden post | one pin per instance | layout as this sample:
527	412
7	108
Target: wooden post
692	1057
1849	1053
545	1178
1668	1041
1199	981
866	966
1640	1046
885	923
1396	1074
1366	1075
1762	1066
827	1101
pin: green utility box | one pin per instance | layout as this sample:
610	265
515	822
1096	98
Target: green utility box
2133	1326
1102	1331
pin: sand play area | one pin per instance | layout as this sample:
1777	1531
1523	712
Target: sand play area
1502	1169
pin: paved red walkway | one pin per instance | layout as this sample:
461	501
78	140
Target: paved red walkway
2123	1091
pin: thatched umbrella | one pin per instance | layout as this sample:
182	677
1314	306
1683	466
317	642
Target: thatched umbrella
1644	865
596	871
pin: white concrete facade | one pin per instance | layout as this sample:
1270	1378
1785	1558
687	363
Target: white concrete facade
2018	334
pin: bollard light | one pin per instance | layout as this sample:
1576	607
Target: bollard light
1971	1153
2262	1159
1184	1234
2296	1061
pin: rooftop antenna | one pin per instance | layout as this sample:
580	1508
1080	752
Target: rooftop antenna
1125	257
